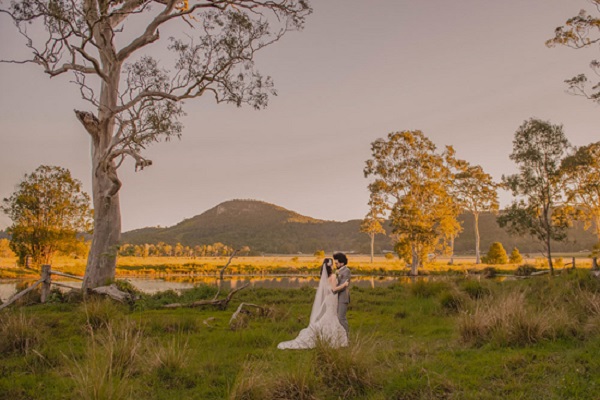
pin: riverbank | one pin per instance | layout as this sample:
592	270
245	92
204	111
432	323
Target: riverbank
281	264
451	338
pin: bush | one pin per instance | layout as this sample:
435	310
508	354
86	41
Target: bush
515	256
389	256
474	289
100	311
452	301
525	270
496	254
425	289
489	272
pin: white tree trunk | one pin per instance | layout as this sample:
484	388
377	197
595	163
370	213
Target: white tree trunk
414	266
102	259
372	246
477	239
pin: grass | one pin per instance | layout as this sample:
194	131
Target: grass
453	338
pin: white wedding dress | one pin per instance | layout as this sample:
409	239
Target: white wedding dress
324	322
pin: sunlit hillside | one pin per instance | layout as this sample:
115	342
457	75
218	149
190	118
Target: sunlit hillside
267	228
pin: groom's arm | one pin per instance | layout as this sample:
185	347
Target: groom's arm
344	282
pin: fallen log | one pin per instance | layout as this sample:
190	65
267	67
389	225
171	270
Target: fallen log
113	292
221	304
240	309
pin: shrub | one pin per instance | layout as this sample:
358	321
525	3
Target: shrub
320	253
525	270
389	256
559	263
452	301
496	254
489	272
515	256
424	289
100	311
474	289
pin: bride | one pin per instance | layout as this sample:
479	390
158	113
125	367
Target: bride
324	323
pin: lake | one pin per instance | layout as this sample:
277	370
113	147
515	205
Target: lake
178	283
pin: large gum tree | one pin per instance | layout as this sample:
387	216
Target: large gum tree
137	98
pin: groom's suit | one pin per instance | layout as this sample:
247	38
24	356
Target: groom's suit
343	296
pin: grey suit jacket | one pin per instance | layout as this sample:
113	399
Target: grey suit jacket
344	275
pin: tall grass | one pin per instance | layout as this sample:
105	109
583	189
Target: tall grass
108	363
508	319
18	332
350	371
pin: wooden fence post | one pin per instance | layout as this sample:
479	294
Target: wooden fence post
46	282
595	264
573	262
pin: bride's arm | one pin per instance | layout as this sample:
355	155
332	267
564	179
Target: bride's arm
335	288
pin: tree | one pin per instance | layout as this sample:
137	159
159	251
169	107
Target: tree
476	192
137	97
411	180
48	211
5	250
581	172
496	254
371	225
515	257
538	149
581	31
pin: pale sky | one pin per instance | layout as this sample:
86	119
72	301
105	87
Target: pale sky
467	73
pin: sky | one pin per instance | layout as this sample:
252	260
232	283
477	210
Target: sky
467	73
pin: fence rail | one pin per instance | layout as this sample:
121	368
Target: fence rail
45	280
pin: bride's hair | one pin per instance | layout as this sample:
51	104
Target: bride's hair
327	263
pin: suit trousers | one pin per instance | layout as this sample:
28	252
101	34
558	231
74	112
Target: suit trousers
342	308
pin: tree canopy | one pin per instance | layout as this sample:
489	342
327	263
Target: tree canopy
579	32
412	181
476	192
48	211
538	148
581	174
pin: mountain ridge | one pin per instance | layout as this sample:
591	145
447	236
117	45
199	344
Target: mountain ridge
269	228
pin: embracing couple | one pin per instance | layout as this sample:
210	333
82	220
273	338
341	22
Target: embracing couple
328	320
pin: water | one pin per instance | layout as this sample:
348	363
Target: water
178	283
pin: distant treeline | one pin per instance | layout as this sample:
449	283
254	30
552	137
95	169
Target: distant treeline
162	249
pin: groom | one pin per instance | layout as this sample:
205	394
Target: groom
343	277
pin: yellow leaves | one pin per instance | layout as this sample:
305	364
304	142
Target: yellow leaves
184	5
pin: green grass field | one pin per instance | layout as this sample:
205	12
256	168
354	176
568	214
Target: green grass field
452	338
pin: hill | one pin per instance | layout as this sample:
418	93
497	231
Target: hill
267	228
264	227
